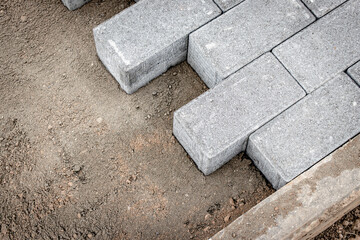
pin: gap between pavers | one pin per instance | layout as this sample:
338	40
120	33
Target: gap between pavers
307	132
307	205
325	48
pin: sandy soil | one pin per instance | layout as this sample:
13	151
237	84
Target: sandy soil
81	159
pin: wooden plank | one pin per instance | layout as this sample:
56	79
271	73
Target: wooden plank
307	205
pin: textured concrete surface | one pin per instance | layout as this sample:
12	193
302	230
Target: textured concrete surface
215	127
74	4
324	49
225	5
307	132
147	38
354	72
321	7
308	205
242	34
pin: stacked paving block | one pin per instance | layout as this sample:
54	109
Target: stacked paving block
307	132
324	49
321	7
354	72
74	4
242	34
144	40
215	127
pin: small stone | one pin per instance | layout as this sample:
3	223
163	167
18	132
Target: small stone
276	209
50	127
76	168
99	120
154	94
207	216
207	229
231	201
137	107
233	235
23	18
90	235
79	215
174	73
357	225
227	218
70	184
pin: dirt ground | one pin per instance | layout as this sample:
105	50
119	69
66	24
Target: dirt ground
80	158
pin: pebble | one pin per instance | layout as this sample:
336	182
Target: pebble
174	73
154	94
207	216
76	168
357	225
231	201
99	120
23	18
227	218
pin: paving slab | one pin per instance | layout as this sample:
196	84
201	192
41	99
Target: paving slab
147	38
324	49
242	34
321	7
225	5
74	4
307	205
354	72
214	127
307	132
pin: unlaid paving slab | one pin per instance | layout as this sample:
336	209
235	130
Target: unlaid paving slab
307	132
354	72
214	127
307	205
74	4
225	5
321	7
324	49
242	34
144	40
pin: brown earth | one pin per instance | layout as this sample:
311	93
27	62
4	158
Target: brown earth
79	158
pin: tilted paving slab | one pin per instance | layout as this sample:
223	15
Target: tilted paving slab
225	5
74	4
307	132
307	205
144	40
242	34
321	7
354	72
214	127
324	49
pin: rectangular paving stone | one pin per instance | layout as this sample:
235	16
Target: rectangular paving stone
307	132
242	34
321	7
214	127
324	49
225	5
147	38
74	4
354	72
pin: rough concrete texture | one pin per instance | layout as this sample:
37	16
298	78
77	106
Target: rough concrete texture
215	127
307	132
324	49
74	4
242	34
307	205
147	38
225	5
354	72
321	7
